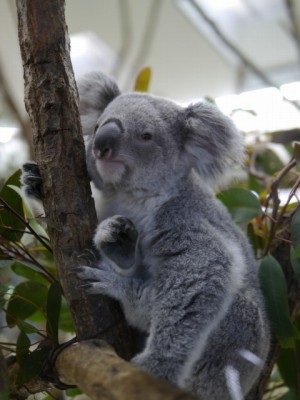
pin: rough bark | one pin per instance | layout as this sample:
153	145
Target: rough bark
51	101
94	367
4	382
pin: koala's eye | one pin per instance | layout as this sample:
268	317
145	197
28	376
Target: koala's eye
146	136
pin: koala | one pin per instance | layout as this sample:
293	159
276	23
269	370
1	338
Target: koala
183	272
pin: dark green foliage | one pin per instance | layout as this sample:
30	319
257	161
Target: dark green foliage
11	225
30	295
275	290
242	204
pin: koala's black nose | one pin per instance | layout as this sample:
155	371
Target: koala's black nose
106	141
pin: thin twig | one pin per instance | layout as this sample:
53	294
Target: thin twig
15	250
295	28
26	223
245	60
23	248
277	219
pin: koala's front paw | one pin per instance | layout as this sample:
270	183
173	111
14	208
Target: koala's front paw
31	180
103	280
116	238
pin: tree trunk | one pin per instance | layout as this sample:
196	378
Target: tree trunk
4	381
51	100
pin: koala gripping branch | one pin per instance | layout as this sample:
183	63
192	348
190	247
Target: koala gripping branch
51	101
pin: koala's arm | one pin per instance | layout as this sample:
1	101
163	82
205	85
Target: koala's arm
31	180
32	187
194	289
120	274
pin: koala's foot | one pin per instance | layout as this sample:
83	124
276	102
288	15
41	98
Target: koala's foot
31	180
116	239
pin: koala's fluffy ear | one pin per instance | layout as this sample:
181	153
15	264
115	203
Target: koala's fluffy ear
212	143
96	91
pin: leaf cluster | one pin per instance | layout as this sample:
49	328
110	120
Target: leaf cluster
266	205
33	310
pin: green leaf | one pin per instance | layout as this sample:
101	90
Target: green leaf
65	318
7	218
23	345
295	229
32	365
290	395
275	291
53	311
295	261
30	273
73	392
296	152
255	240
143	80
3	294
242	204
27	328
286	365
31	214
28	297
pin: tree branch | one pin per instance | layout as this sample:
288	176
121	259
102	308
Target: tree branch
245	60
96	369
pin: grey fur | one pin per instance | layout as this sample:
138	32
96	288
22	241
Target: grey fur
182	270
192	282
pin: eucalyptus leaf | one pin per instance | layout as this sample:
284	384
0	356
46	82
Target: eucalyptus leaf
73	392
296	152
23	345
295	229
65	318
286	365
7	218
275	291
3	291
295	261
28	272
290	395
32	365
53	310
143	80
27	328
242	204
28	297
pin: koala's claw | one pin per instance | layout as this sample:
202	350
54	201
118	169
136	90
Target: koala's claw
117	238
32	180
116	229
88	256
100	281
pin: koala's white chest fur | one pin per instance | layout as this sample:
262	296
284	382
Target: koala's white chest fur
140	210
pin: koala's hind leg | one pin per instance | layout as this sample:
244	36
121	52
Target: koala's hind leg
117	240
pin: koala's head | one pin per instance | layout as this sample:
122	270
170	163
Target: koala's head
141	142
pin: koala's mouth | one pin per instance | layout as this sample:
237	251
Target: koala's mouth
111	170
